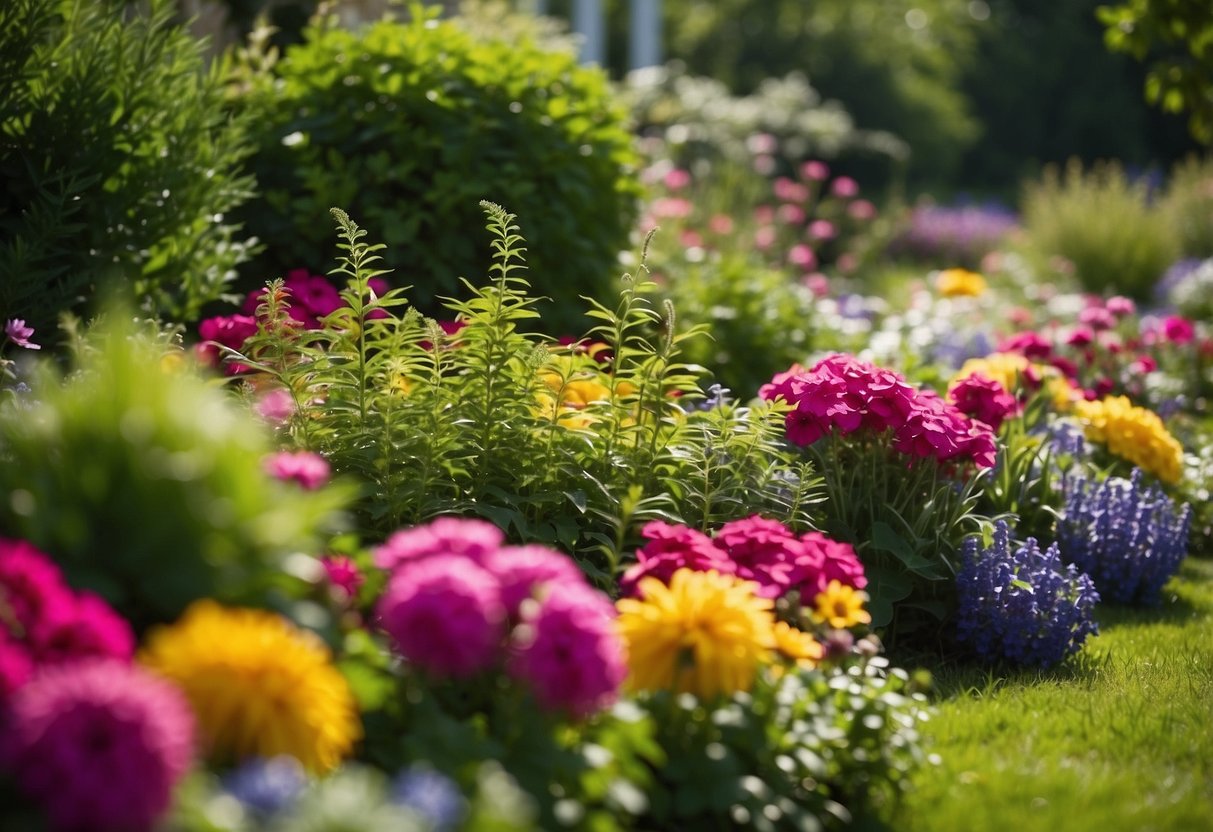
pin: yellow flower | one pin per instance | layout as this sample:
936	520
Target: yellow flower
1004	367
841	606
258	685
1133	433
400	384
960	283
796	645
705	634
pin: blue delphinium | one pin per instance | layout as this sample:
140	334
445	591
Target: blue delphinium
266	786
1021	604
1129	538
433	796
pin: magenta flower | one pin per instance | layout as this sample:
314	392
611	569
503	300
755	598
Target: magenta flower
100	745
669	549
801	255
445	615
1178	330
93	629
568	652
1099	317
523	571
788	191
276	406
472	539
677	179
310	470
16	666
34	600
342	574
822	230
815	171
844	187
984	399
1030	344
763	551
834	561
1120	306
17	332
229	331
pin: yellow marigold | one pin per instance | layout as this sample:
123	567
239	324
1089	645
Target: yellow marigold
797	645
952	283
841	606
1004	367
258	685
705	634
1133	433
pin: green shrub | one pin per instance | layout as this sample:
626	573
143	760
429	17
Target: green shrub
495	422
1106	225
146	483
1189	200
117	163
411	124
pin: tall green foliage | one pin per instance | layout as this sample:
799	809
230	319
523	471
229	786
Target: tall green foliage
411	124
118	165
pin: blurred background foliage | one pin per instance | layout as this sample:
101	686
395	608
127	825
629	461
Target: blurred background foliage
985	92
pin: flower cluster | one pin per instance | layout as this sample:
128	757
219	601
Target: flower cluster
1019	603
457	600
1133	433
259	685
43	621
754	549
961	234
1129	538
841	394
983	399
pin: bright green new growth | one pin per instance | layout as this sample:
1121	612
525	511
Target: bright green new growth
480	422
117	162
410	124
146	483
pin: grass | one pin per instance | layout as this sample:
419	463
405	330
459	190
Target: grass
1118	738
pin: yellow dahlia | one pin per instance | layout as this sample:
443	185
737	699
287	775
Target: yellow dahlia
1133	433
797	645
952	283
841	606
705	634
1004	367
258	685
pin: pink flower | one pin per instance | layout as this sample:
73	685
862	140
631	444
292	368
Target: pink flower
568	652
761	143
671	208
313	295
1178	330
471	539
815	171
524	571
1081	336
790	214
310	470
445	615
764	237
669	549
17	332
1097	317
822	230
100	745
846	263
826	560
677	179
721	224
763	551
788	191
342	574
93	629
229	331
16	666
33	596
801	255
690	238
1120	306
984	399
1030	344
276	406
844	187
861	210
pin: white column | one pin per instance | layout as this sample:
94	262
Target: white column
588	22
644	41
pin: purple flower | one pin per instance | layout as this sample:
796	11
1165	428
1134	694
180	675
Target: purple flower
1019	603
473	539
523	570
304	467
568	651
445	615
17	332
99	744
432	795
267	786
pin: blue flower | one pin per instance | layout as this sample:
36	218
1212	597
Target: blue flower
1021	604
1128	538
432	795
266	786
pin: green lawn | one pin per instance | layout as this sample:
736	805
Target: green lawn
1119	738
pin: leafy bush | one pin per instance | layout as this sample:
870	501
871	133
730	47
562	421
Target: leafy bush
1105	224
1189	199
1128	537
411	124
1021	604
544	441
146	484
117	162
